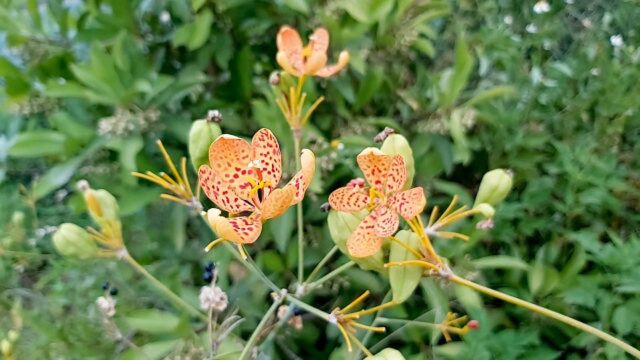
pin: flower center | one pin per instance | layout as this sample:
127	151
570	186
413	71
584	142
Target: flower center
375	198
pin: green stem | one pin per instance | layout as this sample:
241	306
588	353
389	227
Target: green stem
310	309
332	274
256	333
548	313
163	289
300	219
321	264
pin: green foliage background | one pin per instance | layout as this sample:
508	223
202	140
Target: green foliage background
473	85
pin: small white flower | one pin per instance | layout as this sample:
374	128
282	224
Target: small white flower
165	17
212	297
616	40
541	7
508	19
587	23
595	71
532	28
106	305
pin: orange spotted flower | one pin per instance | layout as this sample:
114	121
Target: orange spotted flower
242	179
309	60
386	175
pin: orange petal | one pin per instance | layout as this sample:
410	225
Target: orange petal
220	193
318	45
364	241
267	151
397	174
290	45
240	230
349	199
387	221
375	166
283	61
330	70
229	157
303	178
277	202
408	203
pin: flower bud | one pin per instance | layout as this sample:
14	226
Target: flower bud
5	348
74	241
387	354
341	226
201	135
396	144
486	210
495	186
102	205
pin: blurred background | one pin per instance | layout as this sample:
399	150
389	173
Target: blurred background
547	89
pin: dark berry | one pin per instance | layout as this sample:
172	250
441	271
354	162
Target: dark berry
207	276
113	291
298	311
106	286
209	266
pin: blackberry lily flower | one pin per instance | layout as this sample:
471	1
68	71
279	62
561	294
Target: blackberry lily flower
242	179
386	175
310	60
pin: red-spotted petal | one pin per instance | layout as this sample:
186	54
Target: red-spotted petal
318	45
240	230
266	152
331	70
302	179
349	199
408	203
387	221
397	174
375	166
277	202
220	193
229	158
290	49
364	241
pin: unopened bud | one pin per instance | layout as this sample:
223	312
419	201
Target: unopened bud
274	78
201	135
473	324
101	205
396	144
495	186
74	241
5	347
214	116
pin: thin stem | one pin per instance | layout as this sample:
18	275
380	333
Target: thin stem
321	264
548	313
331	275
310	309
299	214
256	333
163	289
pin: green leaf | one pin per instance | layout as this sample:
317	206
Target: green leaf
38	143
370	86
404	279
489	94
454	80
282	228
193	35
128	149
300	6
151	351
71	127
152	321
500	262
368	11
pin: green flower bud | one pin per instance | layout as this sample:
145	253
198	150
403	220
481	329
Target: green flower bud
495	186
487	210
387	354
201	135
74	241
341	226
404	279
396	144
5	348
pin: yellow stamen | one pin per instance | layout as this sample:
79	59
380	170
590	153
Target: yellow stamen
212	244
311	109
355	302
183	163
369	328
434	215
362	347
453	203
345	336
452	235
243	254
357	314
173	198
168	160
